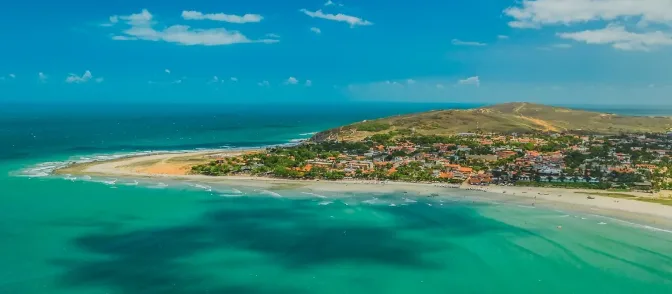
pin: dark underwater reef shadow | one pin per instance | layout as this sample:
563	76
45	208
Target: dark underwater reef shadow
294	234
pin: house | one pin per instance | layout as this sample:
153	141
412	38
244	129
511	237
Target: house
579	180
446	175
463	148
483	157
458	175
504	154
643	185
547	170
452	166
649	167
474	181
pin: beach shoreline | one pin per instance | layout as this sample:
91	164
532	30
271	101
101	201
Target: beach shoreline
176	166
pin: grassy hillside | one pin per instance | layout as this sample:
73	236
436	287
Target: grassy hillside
503	118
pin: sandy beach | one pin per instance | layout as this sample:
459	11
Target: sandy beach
177	167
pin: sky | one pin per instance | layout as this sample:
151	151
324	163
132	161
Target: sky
260	51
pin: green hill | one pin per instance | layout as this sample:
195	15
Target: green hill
517	117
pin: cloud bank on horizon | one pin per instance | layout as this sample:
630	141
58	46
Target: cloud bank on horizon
538	50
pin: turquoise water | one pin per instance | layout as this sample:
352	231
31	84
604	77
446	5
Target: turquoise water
84	236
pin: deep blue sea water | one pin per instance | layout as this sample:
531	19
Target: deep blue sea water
62	236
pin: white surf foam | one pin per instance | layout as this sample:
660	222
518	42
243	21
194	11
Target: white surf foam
134	183
204	187
308	134
158	186
230	195
271	193
313	194
647	227
374	201
109	182
325	203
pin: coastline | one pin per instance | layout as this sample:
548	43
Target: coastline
175	166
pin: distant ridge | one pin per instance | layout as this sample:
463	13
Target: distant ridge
519	117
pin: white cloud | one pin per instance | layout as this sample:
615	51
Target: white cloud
123	38
264	84
112	21
167	71
537	13
475	81
439	86
137	19
73	78
634	24
502	37
215	79
234	79
457	42
11	75
410	81
141	27
620	38
352	20
196	15
42	77
555	46
177	81
562	46
316	30
309	83
274	36
99	80
393	83
292	81
332	3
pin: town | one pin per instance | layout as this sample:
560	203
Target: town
639	162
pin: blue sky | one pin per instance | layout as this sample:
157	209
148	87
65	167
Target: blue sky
549	51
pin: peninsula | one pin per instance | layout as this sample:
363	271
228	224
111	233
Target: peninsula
517	147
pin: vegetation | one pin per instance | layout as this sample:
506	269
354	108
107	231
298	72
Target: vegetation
507	118
372	126
596	186
610	194
664	201
625	162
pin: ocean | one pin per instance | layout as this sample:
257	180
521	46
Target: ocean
87	235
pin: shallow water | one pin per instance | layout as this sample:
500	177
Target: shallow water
98	235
